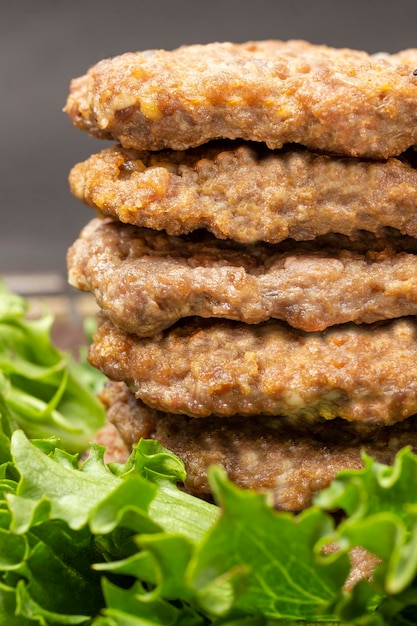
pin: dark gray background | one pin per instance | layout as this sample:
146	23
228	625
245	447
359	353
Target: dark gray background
44	43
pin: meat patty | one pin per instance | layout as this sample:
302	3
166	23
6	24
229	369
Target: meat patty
335	100
146	280
248	193
365	374
265	454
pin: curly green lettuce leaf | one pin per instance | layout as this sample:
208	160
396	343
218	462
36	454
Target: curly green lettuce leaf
131	607
45	391
257	566
380	503
122	544
285	578
64	519
179	545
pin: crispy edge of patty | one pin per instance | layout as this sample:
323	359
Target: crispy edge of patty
146	280
336	100
363	373
247	193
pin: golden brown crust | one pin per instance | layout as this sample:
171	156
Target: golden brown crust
145	280
247	193
365	374
336	100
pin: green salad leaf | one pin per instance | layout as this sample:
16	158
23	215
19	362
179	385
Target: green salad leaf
46	391
89	543
284	579
380	503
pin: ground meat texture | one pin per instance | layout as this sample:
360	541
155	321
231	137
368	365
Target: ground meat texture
146	280
265	454
334	100
364	373
247	193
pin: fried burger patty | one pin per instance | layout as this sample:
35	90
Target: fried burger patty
266	454
336	100
365	374
146	280
248	193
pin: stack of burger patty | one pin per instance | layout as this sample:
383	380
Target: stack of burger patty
254	256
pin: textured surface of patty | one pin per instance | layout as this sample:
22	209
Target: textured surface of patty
265	454
248	193
336	100
365	374
146	280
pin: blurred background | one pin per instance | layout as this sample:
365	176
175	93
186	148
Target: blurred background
45	43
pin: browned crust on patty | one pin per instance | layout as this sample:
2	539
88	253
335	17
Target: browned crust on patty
265	454
248	193
365	374
145	280
336	100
